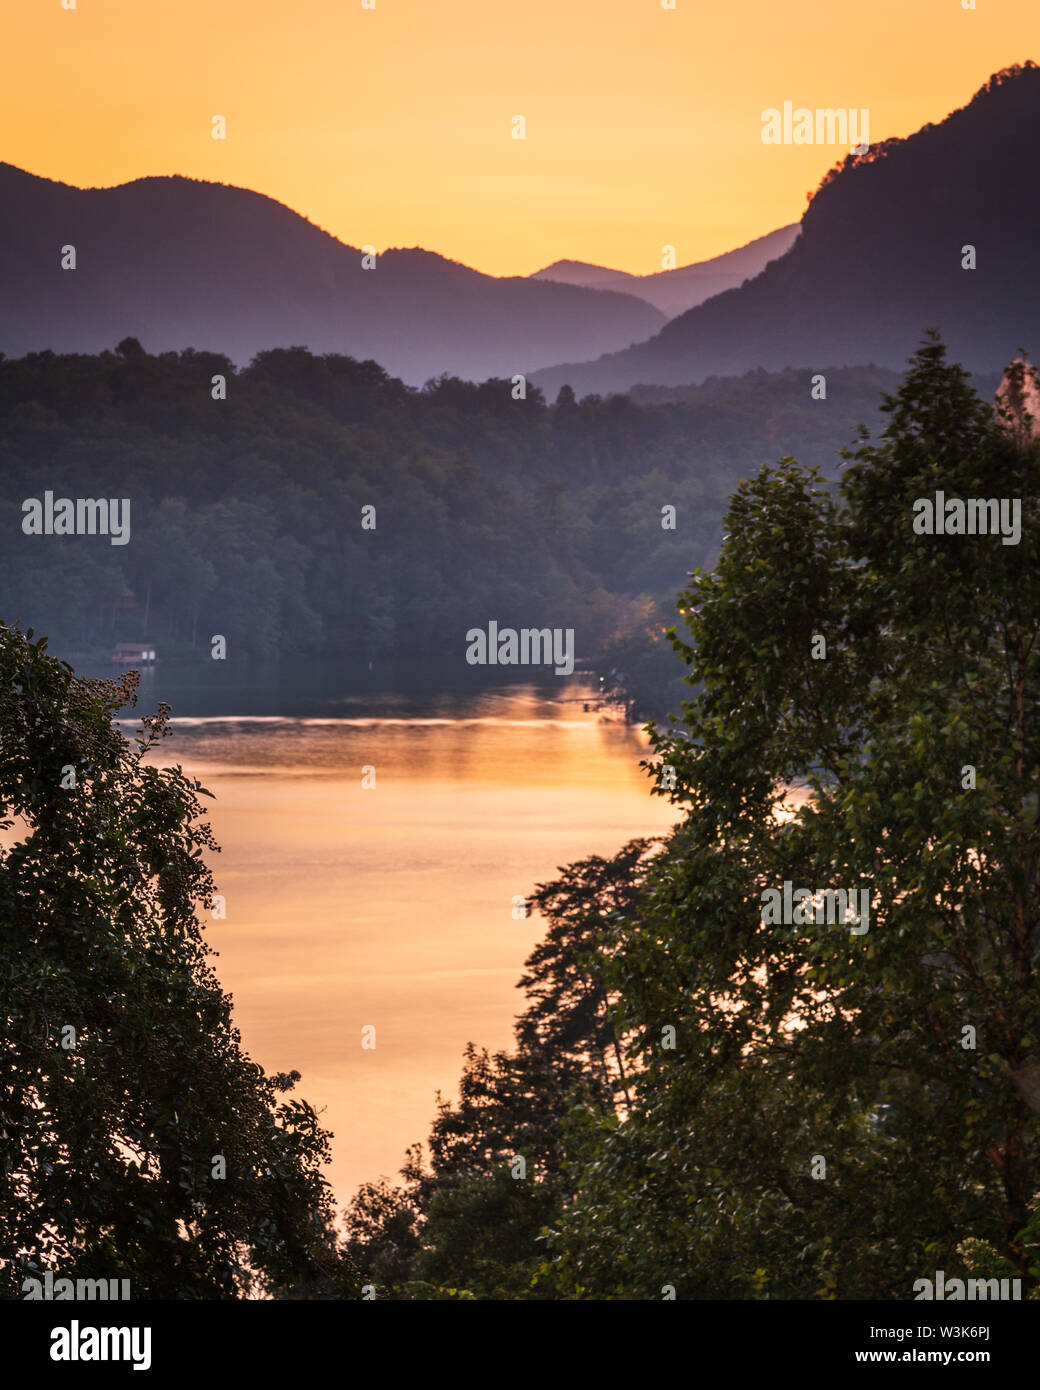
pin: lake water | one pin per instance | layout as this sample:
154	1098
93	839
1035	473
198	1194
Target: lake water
392	907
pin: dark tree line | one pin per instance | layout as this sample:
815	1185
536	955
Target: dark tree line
246	513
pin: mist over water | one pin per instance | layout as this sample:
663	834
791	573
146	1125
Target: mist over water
392	907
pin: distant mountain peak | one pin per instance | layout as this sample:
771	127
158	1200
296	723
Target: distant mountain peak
1009	77
675	291
887	249
177	262
578	265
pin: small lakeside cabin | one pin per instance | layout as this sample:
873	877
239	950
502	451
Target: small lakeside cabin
135	653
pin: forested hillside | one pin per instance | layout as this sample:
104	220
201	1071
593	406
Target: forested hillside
246	512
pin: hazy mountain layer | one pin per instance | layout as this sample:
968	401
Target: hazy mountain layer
178	262
675	291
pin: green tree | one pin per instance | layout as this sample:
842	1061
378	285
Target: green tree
904	1057
472	1216
382	1236
137	1139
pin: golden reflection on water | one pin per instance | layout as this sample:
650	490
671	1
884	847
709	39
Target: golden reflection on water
392	907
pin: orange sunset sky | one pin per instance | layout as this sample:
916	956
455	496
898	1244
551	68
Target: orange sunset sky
392	126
